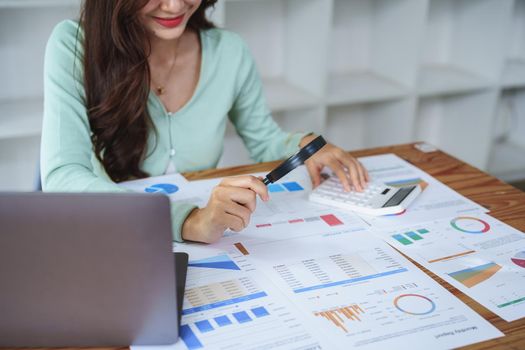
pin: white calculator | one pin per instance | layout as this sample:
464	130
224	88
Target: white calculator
377	199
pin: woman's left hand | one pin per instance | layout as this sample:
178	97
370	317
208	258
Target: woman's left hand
349	170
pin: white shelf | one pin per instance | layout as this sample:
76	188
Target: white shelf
282	96
20	118
37	3
371	124
507	161
461	124
467	34
376	37
513	73
441	79
362	87
364	73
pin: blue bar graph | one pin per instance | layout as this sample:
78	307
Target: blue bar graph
189	338
285	187
204	326
293	186
223	321
260	312
242	317
272	188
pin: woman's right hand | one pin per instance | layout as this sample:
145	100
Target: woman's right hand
230	206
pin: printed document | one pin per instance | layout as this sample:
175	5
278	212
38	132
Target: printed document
477	254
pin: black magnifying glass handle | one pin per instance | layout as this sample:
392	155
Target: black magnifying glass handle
294	161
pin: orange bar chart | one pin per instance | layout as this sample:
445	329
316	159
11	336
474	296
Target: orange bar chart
335	316
242	248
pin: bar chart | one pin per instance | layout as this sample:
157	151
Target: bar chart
410	237
196	335
432	243
227	309
292	186
191	337
329	219
340	316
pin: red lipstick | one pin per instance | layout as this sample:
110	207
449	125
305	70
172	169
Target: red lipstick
169	22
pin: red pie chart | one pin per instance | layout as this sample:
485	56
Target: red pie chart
519	259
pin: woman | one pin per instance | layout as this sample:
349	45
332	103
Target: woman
142	88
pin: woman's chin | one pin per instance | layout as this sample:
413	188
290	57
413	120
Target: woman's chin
168	35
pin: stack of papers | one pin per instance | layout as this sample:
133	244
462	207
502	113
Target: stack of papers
306	276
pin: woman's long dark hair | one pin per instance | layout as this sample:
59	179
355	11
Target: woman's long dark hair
117	79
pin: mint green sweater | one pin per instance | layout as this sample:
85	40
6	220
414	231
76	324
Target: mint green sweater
192	138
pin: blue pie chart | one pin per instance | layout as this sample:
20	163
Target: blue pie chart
162	188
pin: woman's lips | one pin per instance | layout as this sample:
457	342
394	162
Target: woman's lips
169	22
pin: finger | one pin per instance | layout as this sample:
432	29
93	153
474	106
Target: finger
249	182
367	174
340	172
352	174
359	172
242	196
238	210
315	173
234	222
363	171
354	171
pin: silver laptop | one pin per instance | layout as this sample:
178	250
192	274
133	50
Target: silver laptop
87	270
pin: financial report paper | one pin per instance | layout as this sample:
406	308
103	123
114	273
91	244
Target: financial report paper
479	255
339	284
338	291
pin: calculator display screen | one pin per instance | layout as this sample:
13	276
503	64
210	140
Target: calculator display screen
399	196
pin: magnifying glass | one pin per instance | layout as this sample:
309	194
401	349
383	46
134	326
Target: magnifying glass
294	161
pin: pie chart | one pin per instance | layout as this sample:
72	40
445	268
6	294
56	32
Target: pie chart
414	304
162	188
470	225
519	259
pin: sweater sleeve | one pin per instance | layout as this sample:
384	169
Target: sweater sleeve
66	146
252	119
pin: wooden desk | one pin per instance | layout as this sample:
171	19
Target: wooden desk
505	202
